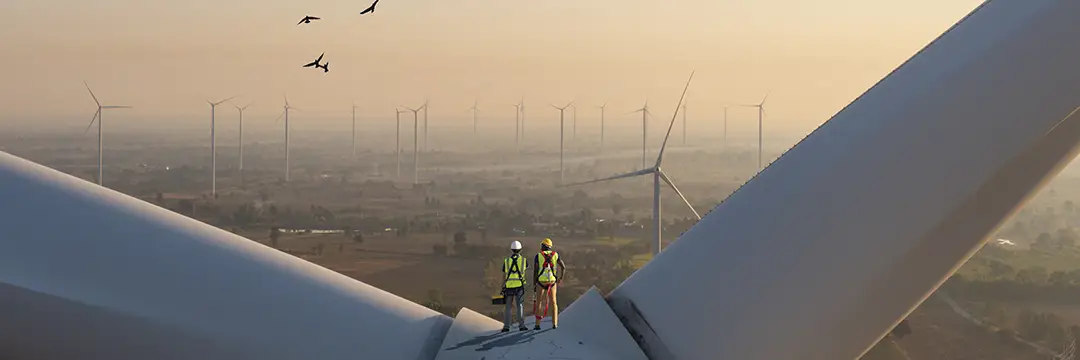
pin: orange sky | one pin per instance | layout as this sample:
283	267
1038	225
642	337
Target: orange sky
168	57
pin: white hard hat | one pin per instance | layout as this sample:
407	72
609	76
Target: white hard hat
516	245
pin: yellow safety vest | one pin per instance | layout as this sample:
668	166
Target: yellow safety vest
514	268
546	270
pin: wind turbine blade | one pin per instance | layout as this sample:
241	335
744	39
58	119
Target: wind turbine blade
663	146
96	113
224	101
553	105
766	97
92	93
279	117
677	192
616	177
117	107
569	104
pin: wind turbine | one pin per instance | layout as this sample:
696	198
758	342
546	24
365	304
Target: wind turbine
241	166
602	107
213	144
286	114
416	144
354	130
562	126
97	116
725	127
425	107
517	126
573	133
658	175
474	110
521	106
684	124
761	114
397	143
644	110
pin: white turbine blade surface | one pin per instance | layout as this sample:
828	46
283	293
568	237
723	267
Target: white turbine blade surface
192	292
671	183
279	117
864	218
92	119
616	177
762	103
92	93
663	146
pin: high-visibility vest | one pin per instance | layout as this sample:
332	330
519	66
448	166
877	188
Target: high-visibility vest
547	260
514	267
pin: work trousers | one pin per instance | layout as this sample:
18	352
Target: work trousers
546	292
514	297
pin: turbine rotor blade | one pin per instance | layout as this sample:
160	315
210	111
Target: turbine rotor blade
91	93
616	177
663	146
766	97
92	119
279	117
677	192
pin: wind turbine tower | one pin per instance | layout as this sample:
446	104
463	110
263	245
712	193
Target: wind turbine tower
416	144
425	107
100	139
658	176
241	158
397	143
562	132
602	108
761	114
213	144
287	129
354	130
573	135
474	110
517	126
644	110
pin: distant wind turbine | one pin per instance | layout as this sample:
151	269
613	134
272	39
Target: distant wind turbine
425	107
761	114
397	143
573	135
416	144
684	124
97	116
644	110
287	129
658	175
602	108
521	107
562	132
213	144
354	130
517	126
474	110
241	161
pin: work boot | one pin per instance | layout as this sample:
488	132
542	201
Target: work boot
523	328
506	330
537	327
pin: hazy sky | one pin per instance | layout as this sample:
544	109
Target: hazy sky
168	57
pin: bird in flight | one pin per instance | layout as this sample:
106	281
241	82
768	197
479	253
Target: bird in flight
307	20
370	9
325	67
316	62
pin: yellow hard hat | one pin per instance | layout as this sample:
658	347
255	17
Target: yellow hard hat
546	242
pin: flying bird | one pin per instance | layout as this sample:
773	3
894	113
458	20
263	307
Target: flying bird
325	67
370	9
307	20
316	62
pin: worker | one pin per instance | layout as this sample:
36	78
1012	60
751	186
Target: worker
514	286
546	282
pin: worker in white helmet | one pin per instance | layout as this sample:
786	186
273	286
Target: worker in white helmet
513	289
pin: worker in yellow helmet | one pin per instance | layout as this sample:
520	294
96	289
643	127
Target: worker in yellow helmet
514	286
547	280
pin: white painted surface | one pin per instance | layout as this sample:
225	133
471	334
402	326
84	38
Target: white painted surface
821	254
110	277
587	330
